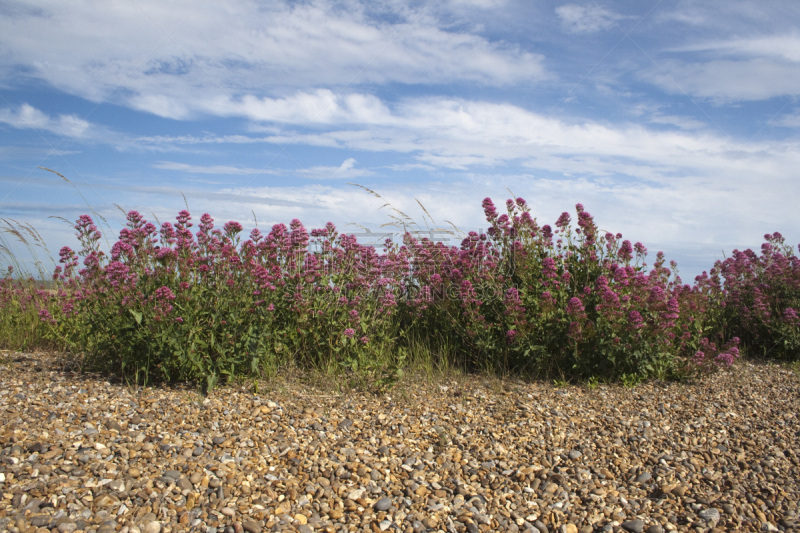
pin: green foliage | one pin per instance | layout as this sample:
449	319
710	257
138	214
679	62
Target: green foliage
568	304
631	380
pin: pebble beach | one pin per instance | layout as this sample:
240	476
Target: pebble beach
82	454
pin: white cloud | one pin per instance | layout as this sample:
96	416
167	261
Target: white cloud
482	4
784	46
732	70
319	107
346	170
27	116
728	80
10	153
117	51
448	133
586	19
788	121
456	134
213	169
683	123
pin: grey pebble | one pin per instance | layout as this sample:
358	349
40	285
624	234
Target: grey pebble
655	528
575	454
40	520
635	526
541	526
644	477
383	504
729	509
710	515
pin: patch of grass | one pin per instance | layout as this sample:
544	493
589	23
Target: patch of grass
630	381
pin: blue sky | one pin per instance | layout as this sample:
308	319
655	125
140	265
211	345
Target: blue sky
673	122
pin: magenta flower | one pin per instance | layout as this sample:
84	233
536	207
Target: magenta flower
45	316
164	293
699	357
625	251
349	332
635	319
574	306
232	228
489	209
549	267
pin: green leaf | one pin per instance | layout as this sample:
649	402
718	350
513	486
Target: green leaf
137	316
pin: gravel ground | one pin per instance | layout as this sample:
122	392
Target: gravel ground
80	454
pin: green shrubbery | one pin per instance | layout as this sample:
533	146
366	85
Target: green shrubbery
170	303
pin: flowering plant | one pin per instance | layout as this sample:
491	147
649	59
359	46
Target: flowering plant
176	303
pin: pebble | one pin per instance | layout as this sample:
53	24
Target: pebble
383	504
67	527
711	516
635	526
476	454
251	526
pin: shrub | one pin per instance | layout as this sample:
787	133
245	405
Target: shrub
170	303
762	298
